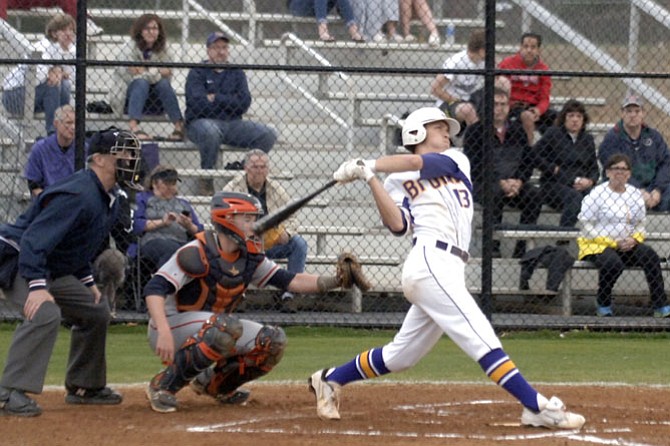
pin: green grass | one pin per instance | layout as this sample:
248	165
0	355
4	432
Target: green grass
546	356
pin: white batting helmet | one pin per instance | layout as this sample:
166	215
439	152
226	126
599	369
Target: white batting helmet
414	130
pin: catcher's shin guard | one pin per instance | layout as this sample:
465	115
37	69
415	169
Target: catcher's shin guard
231	373
215	341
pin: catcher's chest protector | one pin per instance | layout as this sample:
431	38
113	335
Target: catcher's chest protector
223	287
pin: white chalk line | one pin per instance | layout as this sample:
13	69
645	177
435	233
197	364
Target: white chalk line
251	426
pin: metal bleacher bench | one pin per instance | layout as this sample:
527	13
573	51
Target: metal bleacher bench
546	233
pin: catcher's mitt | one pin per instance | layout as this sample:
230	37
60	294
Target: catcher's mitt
350	272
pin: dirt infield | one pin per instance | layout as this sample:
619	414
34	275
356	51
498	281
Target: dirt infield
388	414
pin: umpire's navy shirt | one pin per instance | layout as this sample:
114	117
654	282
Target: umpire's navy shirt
61	232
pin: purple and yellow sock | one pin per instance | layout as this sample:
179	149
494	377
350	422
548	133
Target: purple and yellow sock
502	371
368	364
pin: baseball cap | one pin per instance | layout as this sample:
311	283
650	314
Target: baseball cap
632	99
165	174
218	35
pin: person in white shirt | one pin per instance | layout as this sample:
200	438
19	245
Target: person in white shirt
454	92
54	82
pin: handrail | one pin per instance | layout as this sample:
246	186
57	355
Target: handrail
347	123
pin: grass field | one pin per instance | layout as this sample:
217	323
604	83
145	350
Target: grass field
546	356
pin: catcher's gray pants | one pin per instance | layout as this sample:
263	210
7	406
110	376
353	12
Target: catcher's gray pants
33	340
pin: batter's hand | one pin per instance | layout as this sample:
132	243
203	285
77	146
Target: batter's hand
356	169
34	301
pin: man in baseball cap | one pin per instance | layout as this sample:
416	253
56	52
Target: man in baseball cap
646	149
217	35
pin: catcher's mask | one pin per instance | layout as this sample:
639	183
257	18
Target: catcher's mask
414	130
227	204
126	148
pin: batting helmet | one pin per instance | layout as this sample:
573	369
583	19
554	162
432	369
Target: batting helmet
126	147
414	130
227	204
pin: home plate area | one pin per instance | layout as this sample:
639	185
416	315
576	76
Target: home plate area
373	413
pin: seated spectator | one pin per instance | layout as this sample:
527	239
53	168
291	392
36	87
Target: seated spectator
530	93
54	82
647	151
512	168
149	91
612	236
68	7
163	220
281	242
459	95
567	158
216	100
421	9
52	158
320	10
377	19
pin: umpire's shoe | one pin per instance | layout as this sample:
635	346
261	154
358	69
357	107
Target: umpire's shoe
327	395
14	402
553	416
103	396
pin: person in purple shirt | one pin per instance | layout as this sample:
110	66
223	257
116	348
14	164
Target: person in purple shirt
52	158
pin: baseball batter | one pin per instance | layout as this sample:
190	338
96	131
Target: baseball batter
430	194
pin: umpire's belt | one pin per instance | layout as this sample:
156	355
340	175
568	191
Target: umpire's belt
455	250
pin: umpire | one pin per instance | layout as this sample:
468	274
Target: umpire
57	238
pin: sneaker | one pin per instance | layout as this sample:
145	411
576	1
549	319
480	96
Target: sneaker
93	29
604	311
397	38
104	396
662	312
410	38
553	416
379	38
14	402
327	396
161	401
434	40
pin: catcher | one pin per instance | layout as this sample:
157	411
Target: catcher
191	297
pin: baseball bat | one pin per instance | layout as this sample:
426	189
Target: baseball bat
281	214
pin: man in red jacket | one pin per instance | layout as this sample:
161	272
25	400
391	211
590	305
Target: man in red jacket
530	93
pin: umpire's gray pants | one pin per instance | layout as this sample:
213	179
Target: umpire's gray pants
33	340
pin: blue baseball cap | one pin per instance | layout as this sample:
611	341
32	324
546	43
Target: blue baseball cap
218	35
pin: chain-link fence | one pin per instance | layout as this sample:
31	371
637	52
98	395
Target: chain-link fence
324	94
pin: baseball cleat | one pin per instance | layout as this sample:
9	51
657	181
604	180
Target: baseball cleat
327	396
236	397
161	401
553	416
103	396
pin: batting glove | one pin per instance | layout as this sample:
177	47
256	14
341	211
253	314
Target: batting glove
356	169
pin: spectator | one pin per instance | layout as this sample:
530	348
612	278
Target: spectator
216	99
163	220
54	82
378	19
459	95
58	236
281	242
423	12
530	93
320	9
149	91
512	168
567	158
68	7
647	150
612	236
52	158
